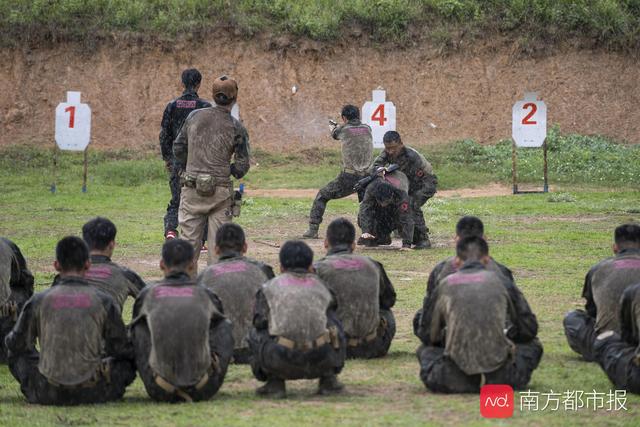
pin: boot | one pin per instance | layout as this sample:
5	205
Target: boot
312	232
329	385
274	388
424	243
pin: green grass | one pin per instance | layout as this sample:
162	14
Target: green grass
609	23
549	241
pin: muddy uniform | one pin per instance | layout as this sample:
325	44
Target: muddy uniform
183	342
603	287
236	279
465	344
85	356
364	295
209	139
357	152
16	287
380	221
174	115
422	184
119	282
449	266
619	354
296	333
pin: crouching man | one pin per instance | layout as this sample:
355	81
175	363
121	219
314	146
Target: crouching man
363	292
183	342
466	344
84	356
296	333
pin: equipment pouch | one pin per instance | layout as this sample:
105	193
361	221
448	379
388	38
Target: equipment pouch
205	185
237	204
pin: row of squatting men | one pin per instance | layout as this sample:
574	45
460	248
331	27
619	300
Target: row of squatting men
180	340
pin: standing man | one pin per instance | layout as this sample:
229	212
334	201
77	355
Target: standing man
182	341
100	236
235	279
174	115
295	331
603	287
83	354
210	138
422	181
363	292
16	287
357	151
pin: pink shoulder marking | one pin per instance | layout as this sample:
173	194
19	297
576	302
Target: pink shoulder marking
172	292
624	264
62	301
347	264
99	272
460	278
230	267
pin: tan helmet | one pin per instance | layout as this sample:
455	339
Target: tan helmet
226	86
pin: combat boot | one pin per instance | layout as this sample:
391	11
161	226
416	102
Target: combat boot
329	385
384	240
312	232
274	388
424	243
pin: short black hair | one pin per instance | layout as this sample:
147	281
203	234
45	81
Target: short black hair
72	253
627	236
295	254
230	237
177	254
469	226
350	112
191	78
472	247
391	136
98	233
383	192
222	99
341	232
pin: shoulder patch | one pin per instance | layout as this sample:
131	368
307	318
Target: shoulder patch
404	206
98	272
183	103
71	301
624	264
172	292
230	267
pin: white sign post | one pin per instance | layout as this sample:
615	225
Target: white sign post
72	131
380	114
529	129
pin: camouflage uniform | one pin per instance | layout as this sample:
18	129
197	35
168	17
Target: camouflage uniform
619	355
174	115
209	139
183	343
422	184
380	221
119	282
236	279
364	295
357	151
85	355
463	334
16	287
295	331
603	287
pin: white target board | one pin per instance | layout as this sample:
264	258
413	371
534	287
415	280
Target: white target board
380	114
529	127
235	111
73	124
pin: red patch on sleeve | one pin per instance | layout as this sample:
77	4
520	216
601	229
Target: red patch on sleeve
404	206
420	173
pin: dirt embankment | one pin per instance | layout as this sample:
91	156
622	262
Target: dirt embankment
439	98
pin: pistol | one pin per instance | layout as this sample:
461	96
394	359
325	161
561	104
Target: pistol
333	123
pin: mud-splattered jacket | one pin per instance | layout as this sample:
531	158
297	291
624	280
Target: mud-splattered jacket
630	317
174	116
76	326
208	140
357	145
113	279
417	169
15	277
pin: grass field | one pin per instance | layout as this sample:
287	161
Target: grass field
549	241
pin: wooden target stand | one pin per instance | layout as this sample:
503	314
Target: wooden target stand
57	152
514	170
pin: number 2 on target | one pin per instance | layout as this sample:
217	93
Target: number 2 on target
72	115
378	115
527	119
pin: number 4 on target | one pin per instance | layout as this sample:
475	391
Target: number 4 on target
380	114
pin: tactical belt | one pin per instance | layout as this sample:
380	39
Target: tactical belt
329	337
382	326
103	372
354	172
171	389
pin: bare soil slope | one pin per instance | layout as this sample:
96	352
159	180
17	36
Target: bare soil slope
439	97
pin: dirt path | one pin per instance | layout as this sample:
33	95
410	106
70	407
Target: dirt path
490	190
